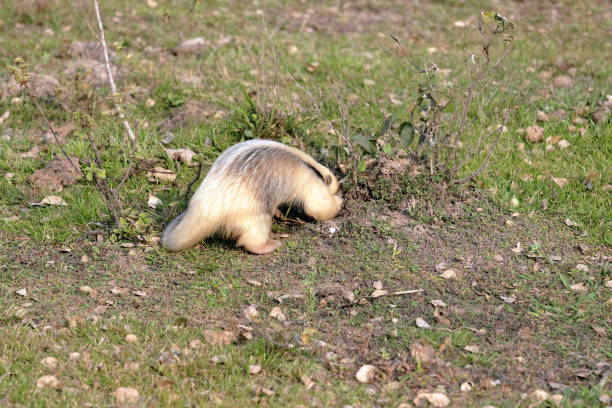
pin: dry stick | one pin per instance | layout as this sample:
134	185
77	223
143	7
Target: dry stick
59	144
485	163
111	196
370	298
126	125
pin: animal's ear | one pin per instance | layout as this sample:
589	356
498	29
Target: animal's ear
328	179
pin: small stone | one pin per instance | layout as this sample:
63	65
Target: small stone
131	338
254	369
49	362
86	289
191	46
366	374
48	381
563	144
277	313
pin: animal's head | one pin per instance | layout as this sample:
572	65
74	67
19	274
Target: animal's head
332	182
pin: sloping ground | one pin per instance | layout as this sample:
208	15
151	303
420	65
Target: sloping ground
510	322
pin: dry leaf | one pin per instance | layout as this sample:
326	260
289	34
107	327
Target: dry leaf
191	46
161	174
154	202
22	292
250	312
4	116
422	353
366	374
466	386
86	289
517	249
472	349
534	133
126	395
348	295
581	267
571	223
437	303
377	285
420	322
220	359
449	274
219	338
578	288
509	299
514	202
564	144
542	116
539	395
51	200
30	154
254	369
277	313
185	155
131	338
561	182
307	382
436	399
379	292
139	293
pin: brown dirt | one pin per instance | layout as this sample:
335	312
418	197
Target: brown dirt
406	247
57	174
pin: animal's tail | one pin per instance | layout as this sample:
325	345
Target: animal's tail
187	229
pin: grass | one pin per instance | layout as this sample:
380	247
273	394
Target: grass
550	334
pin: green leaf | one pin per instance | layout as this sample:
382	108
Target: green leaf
364	141
488	17
387	124
100	173
361	167
406	134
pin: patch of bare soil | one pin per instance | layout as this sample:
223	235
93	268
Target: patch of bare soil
351	290
190	114
57	174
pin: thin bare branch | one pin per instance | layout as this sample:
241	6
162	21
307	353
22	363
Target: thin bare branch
111	81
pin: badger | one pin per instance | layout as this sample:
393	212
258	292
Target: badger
243	190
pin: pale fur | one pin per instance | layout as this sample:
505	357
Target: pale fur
243	190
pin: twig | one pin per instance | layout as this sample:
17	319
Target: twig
127	174
197	177
111	195
370	298
126	125
57	140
